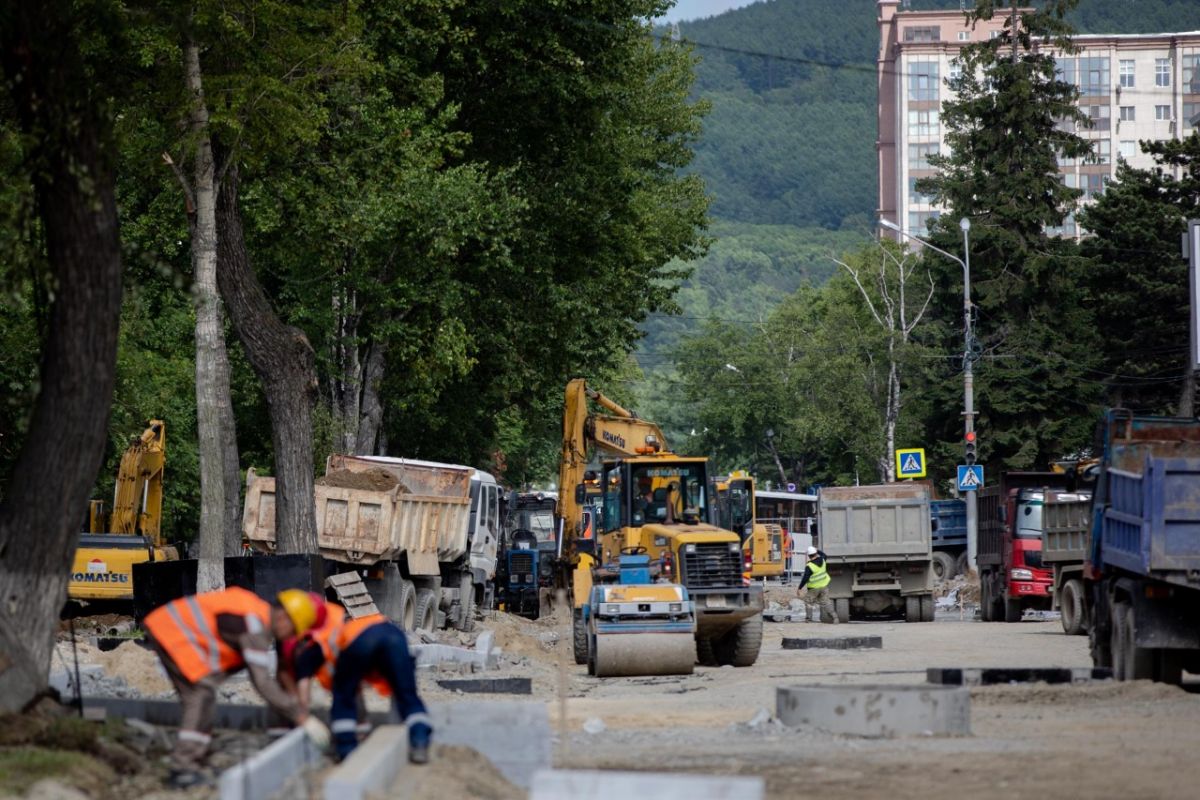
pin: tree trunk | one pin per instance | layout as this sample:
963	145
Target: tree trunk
212	362
285	363
232	473
372	405
73	178
346	386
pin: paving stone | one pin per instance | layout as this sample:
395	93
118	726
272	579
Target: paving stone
489	685
879	711
266	772
372	767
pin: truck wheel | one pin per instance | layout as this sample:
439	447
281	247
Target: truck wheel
841	607
985	602
407	605
1120	655
1168	667
466	605
1139	661
960	564
927	608
912	609
1072	608
579	637
704	652
740	646
1012	610
943	566
425	611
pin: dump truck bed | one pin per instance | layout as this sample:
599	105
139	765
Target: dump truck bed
1067	526
424	517
882	522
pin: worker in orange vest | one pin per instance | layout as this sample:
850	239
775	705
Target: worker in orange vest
203	639
370	649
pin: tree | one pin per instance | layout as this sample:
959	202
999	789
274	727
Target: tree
1135	273
51	54
1012	117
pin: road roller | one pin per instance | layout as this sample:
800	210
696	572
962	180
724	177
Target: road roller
640	628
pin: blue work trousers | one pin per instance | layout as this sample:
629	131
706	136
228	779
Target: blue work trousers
380	649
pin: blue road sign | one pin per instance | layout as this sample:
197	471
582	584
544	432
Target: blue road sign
910	463
970	477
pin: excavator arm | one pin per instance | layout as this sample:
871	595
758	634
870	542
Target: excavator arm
137	501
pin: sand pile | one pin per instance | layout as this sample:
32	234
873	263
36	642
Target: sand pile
139	667
374	480
535	639
454	772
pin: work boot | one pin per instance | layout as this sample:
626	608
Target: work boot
419	736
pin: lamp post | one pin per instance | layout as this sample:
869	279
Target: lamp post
968	368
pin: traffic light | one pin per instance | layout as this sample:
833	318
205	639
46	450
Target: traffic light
969	441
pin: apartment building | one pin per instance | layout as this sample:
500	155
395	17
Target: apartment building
1133	87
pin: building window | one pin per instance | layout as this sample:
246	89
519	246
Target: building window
918	221
1064	69
1128	114
923	34
1093	76
1092	185
1127	73
918	155
1162	112
1190	112
1129	149
1098	115
1070	180
995	34
955	69
922	81
915	197
964	36
1162	72
1101	152
923	123
1191	74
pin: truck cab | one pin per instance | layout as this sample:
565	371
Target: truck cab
1011	530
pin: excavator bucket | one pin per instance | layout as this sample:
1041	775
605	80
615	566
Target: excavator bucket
641	629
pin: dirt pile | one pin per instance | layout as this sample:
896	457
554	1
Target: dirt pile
372	480
455	772
963	588
537	640
136	665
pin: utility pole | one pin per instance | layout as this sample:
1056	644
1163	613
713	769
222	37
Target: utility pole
969	394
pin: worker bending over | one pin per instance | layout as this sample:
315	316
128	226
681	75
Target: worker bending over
342	654
816	579
203	639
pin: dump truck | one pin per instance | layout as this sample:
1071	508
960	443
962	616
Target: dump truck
949	537
1142	570
1067	523
1012	576
657	504
878	544
422	534
131	531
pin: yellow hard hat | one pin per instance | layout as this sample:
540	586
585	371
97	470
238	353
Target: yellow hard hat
300	608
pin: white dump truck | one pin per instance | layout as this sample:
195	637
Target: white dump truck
878	541
423	535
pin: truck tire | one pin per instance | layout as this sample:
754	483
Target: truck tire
1120	655
579	637
425	611
1012	610
943	566
1139	661
927	608
739	647
466	605
961	564
912	609
1071	606
841	607
704	652
407	606
1168	666
985	602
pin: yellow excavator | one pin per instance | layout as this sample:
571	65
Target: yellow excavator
654	558
762	543
131	532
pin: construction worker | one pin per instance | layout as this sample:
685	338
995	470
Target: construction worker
816	579
203	639
370	649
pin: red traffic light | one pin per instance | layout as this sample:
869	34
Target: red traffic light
969	436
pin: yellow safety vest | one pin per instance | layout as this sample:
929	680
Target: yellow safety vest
818	577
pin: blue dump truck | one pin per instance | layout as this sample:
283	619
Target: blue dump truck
949	538
1142	574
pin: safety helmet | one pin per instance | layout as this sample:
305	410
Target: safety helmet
812	551
300	608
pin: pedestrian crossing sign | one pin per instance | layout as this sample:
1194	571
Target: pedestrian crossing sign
910	463
970	477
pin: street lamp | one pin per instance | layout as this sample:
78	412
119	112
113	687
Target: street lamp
968	365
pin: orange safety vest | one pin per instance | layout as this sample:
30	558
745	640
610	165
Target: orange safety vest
333	639
187	630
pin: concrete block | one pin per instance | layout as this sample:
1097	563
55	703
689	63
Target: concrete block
605	785
955	676
945	676
834	643
989	677
489	685
489	725
372	767
427	655
265	772
882	711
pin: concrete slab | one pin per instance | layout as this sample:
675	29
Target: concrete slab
488	685
833	643
605	785
167	712
372	767
427	655
265	772
878	711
